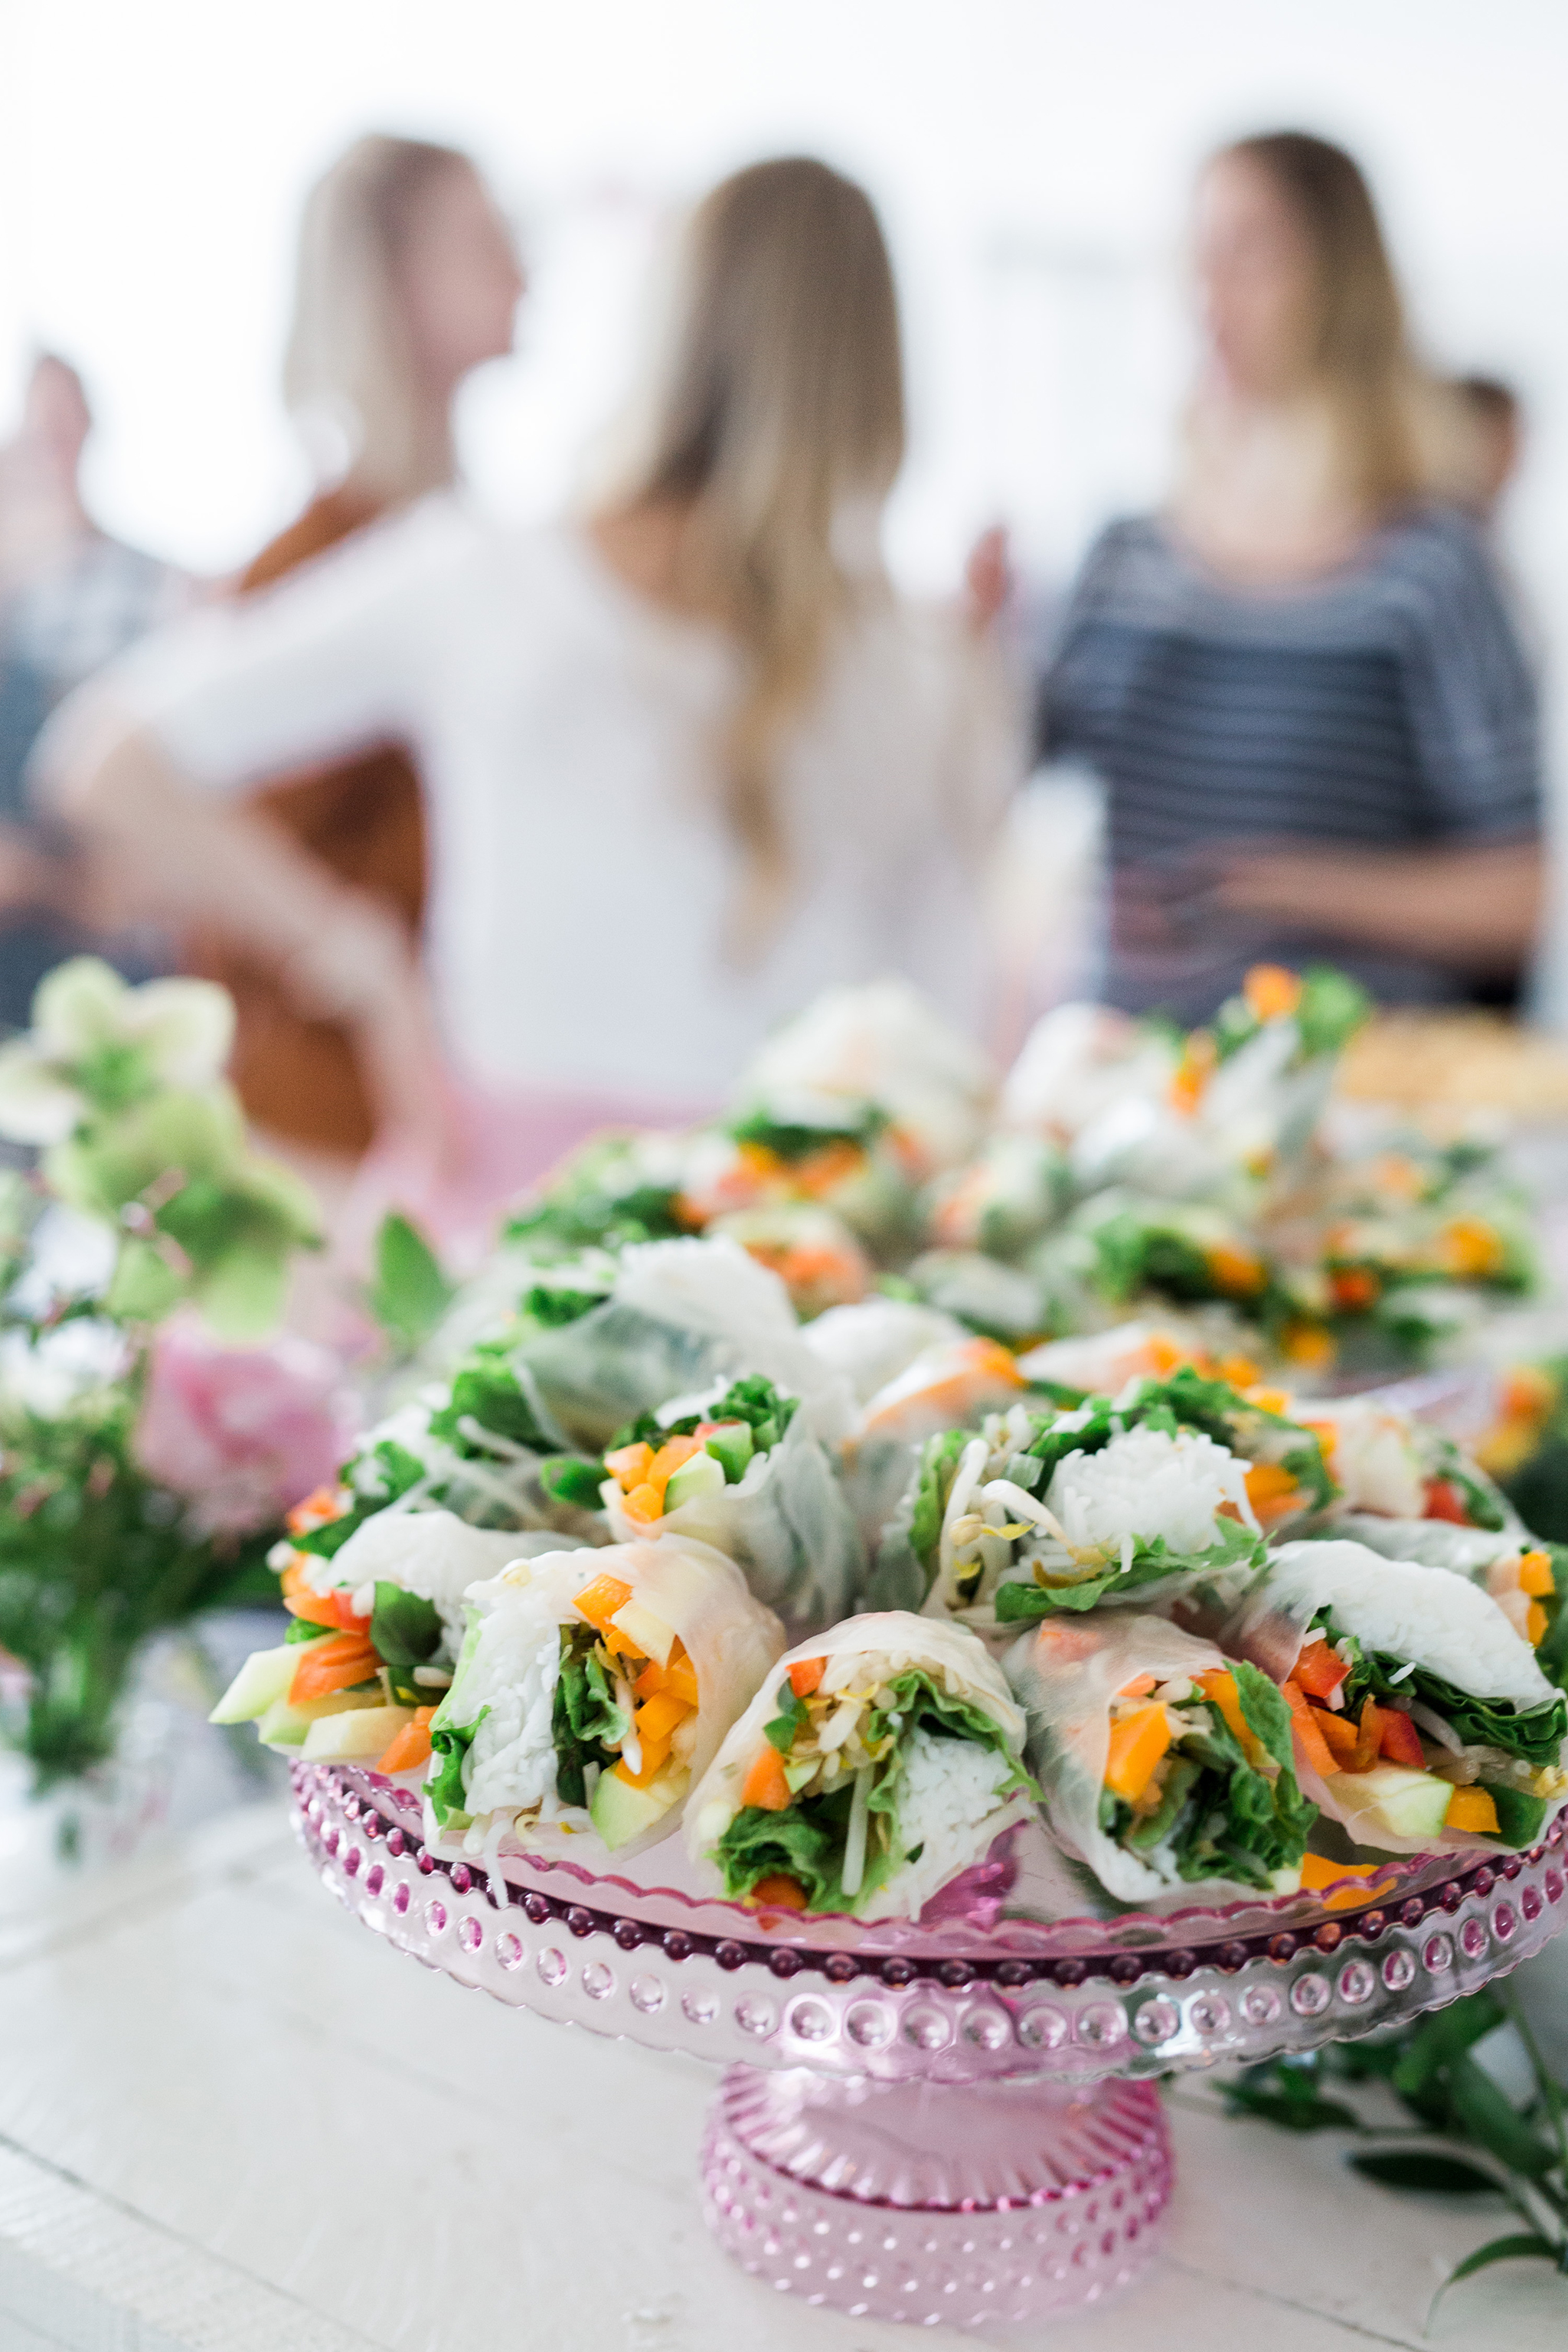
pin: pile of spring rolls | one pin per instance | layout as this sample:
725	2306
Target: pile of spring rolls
678	1536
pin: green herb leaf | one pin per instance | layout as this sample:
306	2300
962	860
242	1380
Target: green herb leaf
410	1294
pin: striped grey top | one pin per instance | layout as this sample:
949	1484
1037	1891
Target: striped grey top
1389	704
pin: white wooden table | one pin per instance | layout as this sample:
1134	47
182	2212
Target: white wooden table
231	2120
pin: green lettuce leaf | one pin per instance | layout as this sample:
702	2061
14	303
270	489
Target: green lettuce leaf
586	1724
1152	1565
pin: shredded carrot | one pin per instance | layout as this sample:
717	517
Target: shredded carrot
412	1744
335	1664
1304	1723
317	1510
766	1785
780	1894
805	1675
335	1609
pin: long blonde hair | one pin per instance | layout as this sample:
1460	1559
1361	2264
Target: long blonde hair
348	353
1359	351
779	407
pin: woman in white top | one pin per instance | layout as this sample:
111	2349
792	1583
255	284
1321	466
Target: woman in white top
687	763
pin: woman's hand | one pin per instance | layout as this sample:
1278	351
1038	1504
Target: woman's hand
987	580
1470	908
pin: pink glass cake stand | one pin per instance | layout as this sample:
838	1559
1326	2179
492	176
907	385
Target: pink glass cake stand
950	2122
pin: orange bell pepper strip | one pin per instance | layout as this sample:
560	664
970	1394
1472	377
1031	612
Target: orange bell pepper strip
1444	1501
1369	1738
599	1601
657	1716
335	1664
1219	1684
671	1456
1536	1621
1339	1733
805	1675
1137	1744
1319	1670
1305	1722
765	1785
651	1681
681	1676
1138	1687
645	1504
654	1756
412	1745
629	1465
1270	1489
1535	1575
1472	1812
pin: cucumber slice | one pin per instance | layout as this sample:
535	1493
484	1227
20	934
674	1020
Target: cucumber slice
730	1446
1391	1802
651	1634
260	1683
356	1738
285	1727
703	1475
620	1812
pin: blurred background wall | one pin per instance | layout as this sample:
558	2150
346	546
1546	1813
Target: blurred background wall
1032	158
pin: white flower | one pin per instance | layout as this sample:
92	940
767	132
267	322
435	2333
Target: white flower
183	1028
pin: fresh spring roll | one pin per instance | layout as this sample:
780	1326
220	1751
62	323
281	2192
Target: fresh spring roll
377	1627
1386	1462
1423	1720
739	1469
591	1690
681	1315
1523	1576
875	1764
1046	1511
1163	1766
813	1253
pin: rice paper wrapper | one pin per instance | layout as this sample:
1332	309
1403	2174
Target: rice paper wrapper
729	1637
433	1554
1065	1673
684	1315
786	1525
1453	1628
898	1641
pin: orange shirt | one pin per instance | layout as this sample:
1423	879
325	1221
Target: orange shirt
365	819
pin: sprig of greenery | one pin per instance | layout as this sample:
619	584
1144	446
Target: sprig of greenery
1464	2137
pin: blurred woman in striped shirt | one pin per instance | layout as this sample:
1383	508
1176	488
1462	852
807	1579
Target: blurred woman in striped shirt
1301	685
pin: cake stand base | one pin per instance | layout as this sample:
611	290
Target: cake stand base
968	2206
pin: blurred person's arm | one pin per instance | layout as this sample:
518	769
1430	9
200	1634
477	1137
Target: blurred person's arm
1473	908
159	848
149	767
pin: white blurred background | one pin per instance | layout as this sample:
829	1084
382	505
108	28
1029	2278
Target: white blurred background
1031	158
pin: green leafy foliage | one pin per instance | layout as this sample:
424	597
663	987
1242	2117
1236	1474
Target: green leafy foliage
1220	1816
1153	1564
939	1464
794	1141
409	1294
1464	2137
587	1725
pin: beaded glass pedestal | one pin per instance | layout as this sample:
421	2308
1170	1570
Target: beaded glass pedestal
942	2121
